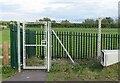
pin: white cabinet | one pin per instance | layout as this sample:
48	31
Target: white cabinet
110	57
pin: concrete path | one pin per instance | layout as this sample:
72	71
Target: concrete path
30	75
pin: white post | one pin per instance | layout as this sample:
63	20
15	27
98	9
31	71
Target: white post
18	33
48	46
24	46
99	37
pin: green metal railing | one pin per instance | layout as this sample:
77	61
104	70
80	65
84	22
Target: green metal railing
79	45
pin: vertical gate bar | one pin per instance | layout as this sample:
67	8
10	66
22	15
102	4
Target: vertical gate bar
29	52
48	32
46	53
18	34
39	47
40	38
36	42
24	62
43	56
52	46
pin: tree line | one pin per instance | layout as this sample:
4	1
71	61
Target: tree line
107	22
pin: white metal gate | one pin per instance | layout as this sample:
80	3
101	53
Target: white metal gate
44	43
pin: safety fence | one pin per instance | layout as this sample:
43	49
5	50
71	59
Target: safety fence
79	45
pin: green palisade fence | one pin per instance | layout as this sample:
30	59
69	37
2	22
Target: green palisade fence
79	45
13	45
30	38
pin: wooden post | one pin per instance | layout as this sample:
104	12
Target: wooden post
5	53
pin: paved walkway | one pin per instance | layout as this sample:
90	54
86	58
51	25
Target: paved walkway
30	75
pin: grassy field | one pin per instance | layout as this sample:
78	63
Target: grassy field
6	32
6	35
0	37
84	30
84	70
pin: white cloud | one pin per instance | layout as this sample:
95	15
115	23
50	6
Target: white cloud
37	8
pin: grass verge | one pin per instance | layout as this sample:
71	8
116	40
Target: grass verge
88	70
7	72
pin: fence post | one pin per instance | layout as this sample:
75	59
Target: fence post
18	34
99	38
5	53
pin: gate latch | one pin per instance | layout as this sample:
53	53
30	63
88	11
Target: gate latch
43	42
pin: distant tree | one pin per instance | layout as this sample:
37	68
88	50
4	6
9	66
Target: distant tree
53	21
107	20
40	19
65	22
45	19
116	21
89	21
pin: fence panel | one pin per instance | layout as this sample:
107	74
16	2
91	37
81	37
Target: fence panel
79	45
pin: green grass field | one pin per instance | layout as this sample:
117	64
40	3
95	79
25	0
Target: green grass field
6	35
84	30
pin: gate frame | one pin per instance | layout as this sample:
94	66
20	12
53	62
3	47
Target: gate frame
47	26
48	46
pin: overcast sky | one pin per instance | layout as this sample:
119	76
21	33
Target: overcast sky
31	10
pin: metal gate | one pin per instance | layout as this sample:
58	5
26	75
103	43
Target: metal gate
27	43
